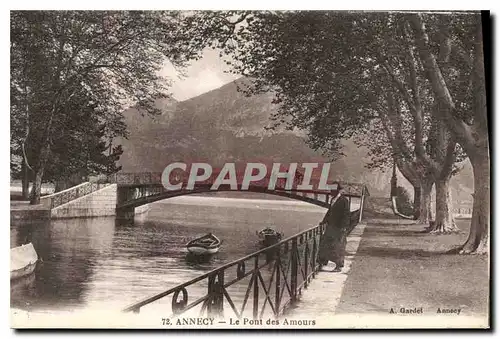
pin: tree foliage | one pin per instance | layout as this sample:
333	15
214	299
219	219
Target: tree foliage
342	74
74	72
330	72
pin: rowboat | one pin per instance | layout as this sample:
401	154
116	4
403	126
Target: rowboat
269	236
23	261
207	244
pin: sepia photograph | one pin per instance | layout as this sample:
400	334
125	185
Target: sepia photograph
260	169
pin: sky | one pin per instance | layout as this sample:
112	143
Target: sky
201	76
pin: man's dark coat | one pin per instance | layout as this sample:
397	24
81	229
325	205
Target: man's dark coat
334	240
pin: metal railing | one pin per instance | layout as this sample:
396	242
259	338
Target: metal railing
63	197
274	282
144	178
462	210
146	188
150	193
154	178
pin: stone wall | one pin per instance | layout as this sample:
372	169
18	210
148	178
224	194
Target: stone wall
144	209
97	204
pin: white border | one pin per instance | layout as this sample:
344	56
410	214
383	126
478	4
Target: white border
185	4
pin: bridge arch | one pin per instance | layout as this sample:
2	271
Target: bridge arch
137	189
147	197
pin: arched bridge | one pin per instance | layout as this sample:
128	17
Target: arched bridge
137	189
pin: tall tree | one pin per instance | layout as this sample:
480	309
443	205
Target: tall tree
112	58
334	88
434	149
81	146
336	73
462	107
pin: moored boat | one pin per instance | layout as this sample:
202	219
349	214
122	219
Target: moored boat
207	244
23	261
269	236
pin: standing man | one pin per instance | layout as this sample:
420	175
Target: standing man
334	239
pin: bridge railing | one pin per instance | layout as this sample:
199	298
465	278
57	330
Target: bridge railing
75	192
142	188
154	178
144	178
264	283
462	210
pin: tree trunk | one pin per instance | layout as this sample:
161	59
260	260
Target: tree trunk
36	192
478	152
417	191
394	181
406	170
39	171
25	181
472	138
478	243
445	223
425	212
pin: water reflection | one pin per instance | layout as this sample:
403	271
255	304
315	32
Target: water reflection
198	261
106	263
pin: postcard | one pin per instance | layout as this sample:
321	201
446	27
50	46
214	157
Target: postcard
250	169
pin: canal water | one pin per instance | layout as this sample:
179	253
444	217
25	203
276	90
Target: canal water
107	264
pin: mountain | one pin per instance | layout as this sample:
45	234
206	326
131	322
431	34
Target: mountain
224	125
219	126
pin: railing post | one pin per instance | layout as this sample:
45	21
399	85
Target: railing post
256	289
218	295
361	204
277	290
211	296
314	250
306	262
294	270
